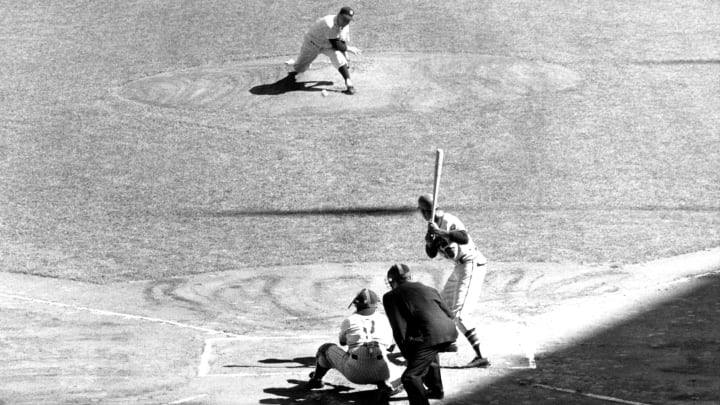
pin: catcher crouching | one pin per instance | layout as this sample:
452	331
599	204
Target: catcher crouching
367	335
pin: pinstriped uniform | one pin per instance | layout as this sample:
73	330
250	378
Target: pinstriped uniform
365	361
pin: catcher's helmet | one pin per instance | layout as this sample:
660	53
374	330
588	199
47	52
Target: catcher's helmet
365	301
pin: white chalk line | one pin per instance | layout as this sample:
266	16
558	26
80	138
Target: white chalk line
119	314
188	399
589	395
204	366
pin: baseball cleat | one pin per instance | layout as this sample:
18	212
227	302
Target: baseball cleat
350	90
390	389
435	394
479	362
314	383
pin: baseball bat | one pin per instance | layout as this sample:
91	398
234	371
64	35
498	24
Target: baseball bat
439	157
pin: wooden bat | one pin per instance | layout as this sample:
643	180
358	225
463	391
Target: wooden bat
439	157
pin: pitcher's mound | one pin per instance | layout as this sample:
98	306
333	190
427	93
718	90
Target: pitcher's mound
400	82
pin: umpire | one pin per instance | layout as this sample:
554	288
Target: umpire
422	326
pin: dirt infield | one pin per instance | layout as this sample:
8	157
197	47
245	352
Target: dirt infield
248	336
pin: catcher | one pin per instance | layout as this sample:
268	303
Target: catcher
368	335
329	36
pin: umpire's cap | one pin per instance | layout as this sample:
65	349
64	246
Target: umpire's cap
365	301
399	273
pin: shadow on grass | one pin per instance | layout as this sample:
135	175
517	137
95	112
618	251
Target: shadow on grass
680	62
357	211
287	84
667	354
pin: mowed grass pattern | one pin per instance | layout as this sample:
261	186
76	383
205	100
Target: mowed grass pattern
622	168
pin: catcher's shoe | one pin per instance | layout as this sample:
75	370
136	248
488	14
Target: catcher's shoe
314	383
350	90
479	362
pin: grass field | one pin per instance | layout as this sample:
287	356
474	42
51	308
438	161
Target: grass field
132	148
622	168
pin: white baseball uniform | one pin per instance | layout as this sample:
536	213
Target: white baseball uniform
365	361
317	41
462	290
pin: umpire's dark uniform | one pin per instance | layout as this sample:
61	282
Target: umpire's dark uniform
422	327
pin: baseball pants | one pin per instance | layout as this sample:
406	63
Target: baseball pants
362	365
462	291
309	51
423	368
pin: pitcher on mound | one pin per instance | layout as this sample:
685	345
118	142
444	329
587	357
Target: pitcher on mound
330	36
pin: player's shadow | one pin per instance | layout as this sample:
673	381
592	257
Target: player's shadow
307	361
287	84
330	394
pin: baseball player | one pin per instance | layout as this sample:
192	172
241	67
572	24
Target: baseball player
368	335
330	36
448	237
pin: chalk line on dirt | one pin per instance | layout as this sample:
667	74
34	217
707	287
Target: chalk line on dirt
118	314
589	395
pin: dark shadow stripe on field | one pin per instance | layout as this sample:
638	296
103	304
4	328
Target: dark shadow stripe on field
407	210
667	352
679	62
359	211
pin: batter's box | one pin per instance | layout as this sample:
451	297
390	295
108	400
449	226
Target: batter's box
259	355
506	345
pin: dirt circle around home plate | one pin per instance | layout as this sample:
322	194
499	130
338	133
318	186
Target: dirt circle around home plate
396	81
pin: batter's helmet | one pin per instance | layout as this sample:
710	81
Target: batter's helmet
348	11
425	202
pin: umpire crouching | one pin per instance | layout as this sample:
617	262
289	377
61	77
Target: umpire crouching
422	326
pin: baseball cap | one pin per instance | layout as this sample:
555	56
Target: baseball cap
365	301
347	11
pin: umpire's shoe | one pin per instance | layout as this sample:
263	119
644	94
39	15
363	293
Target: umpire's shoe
388	390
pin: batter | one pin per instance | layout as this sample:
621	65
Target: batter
448	237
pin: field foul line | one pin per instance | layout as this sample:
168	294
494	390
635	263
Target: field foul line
119	314
204	366
189	399
589	395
